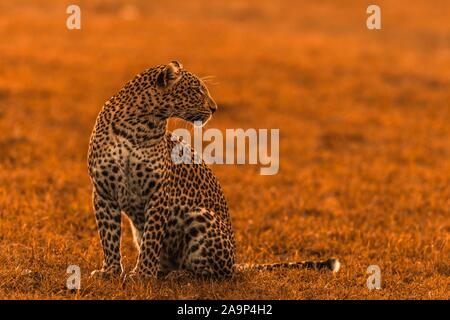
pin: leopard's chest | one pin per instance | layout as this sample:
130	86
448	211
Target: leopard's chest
144	175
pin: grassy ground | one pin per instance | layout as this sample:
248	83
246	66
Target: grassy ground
364	121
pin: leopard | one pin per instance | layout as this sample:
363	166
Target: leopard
177	211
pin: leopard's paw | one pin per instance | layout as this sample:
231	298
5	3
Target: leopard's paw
134	277
108	273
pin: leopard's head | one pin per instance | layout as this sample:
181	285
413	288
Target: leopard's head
184	95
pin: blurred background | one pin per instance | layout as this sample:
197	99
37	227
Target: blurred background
364	150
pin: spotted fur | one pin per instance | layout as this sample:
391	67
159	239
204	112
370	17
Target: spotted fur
178	211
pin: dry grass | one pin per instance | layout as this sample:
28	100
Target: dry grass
365	151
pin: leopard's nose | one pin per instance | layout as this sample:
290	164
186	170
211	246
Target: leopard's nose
213	107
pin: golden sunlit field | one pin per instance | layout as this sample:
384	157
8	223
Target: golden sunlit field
364	121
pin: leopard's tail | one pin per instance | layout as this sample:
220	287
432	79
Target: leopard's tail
331	265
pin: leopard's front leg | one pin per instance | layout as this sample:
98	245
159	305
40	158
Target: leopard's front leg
147	265
108	218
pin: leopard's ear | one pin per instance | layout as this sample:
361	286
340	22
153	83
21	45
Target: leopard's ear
169	75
